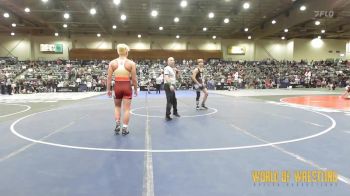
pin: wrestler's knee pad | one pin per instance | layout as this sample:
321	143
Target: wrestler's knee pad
198	95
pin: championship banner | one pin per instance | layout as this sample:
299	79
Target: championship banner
51	48
236	50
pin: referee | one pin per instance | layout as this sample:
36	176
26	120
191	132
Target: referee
170	73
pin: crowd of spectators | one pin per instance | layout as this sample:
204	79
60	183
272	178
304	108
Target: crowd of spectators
265	74
49	76
53	76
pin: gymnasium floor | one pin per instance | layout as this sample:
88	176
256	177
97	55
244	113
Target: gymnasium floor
66	145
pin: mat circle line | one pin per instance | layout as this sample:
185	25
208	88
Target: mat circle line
6	115
158	116
13	130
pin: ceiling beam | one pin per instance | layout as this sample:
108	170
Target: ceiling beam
99	17
4	27
295	16
14	8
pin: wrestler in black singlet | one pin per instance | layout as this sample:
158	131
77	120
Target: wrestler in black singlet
199	79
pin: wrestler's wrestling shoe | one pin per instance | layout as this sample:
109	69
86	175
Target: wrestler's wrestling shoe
204	107
125	131
117	129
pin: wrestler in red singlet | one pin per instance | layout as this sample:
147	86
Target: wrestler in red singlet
122	87
122	69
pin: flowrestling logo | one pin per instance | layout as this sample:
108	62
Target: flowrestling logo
326	14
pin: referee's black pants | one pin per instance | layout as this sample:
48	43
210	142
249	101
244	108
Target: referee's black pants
170	100
158	88
9	89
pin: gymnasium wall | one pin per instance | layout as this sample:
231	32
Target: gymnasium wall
247	44
260	49
273	49
15	46
290	50
318	49
155	54
67	44
348	50
27	47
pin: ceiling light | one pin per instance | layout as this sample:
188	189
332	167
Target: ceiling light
211	15
12	34
114	26
177	36
123	17
117	2
205	29
139	35
66	15
246	5
273	21
286	30
27	10
176	19
183	3
317	22
14	25
302	8
214	36
283	38
154	13
6	15
92	11
98	35
249	37
44	1
56	34
323	31
65	25
161	28
246	29
226	20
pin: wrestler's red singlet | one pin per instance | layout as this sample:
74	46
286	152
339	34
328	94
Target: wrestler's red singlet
122	86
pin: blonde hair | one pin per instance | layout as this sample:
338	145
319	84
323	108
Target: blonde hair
122	49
